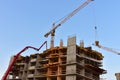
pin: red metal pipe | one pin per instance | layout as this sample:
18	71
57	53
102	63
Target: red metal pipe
17	55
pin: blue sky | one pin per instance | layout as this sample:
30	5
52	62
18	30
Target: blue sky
24	22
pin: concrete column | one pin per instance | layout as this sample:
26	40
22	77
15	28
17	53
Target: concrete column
71	59
71	50
48	78
82	61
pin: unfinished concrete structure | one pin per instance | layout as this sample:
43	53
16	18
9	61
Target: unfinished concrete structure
117	76
71	62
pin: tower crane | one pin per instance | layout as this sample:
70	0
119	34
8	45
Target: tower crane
106	48
55	26
103	47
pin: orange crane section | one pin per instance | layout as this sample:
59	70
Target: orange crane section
106	48
52	31
103	47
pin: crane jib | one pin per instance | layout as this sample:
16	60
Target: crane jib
67	17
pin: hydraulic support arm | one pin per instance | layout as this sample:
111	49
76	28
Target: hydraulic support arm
17	55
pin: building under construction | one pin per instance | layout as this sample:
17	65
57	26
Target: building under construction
117	76
71	62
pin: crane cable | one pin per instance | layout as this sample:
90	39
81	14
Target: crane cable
95	21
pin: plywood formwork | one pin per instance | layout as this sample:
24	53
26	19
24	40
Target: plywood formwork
71	62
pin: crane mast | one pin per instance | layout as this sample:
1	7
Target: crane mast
52	31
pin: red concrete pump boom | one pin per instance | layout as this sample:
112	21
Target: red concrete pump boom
17	55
